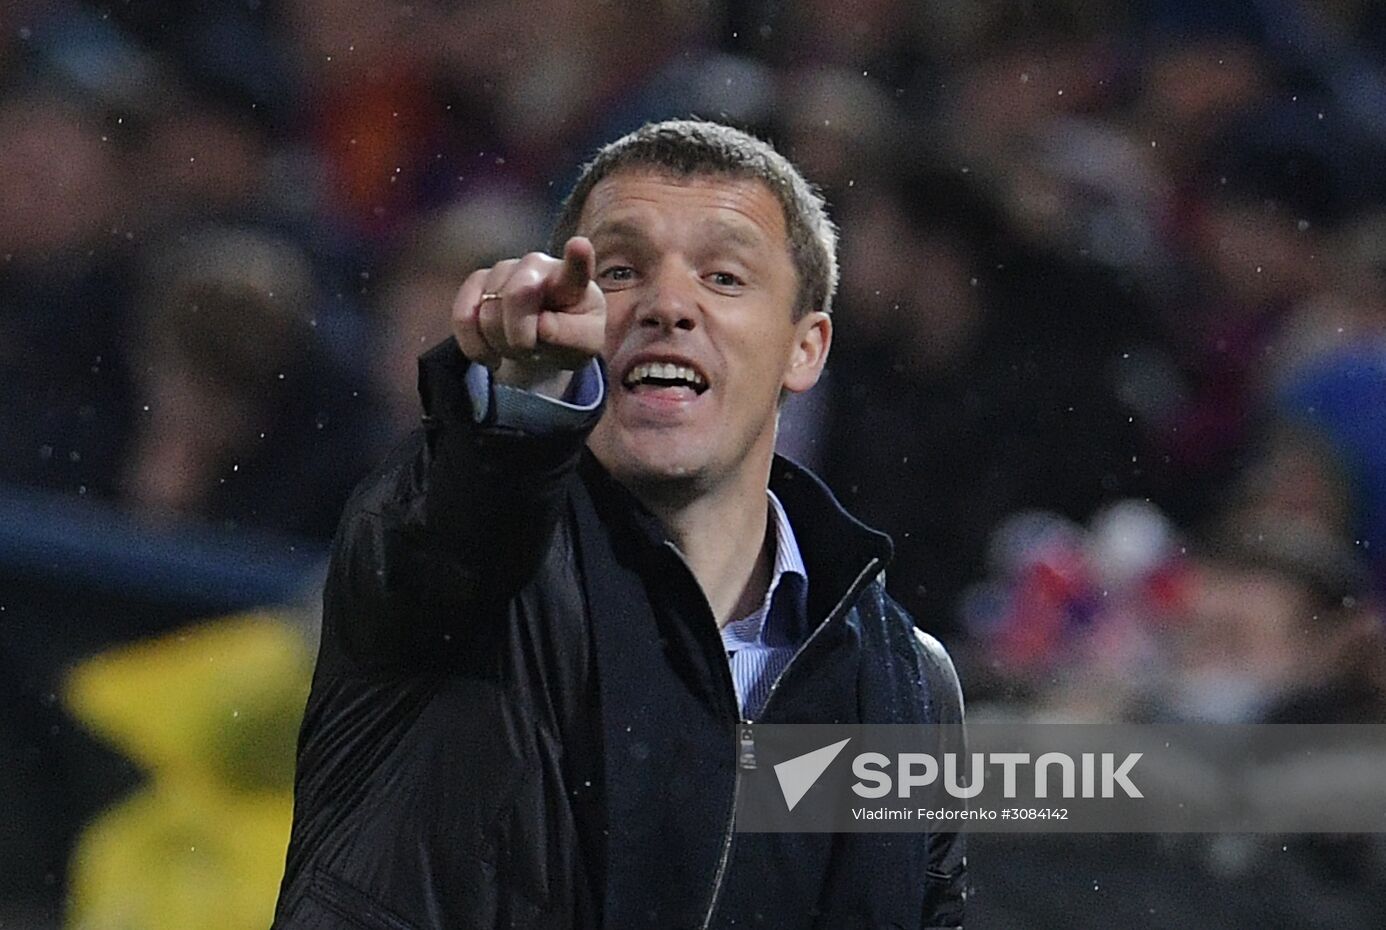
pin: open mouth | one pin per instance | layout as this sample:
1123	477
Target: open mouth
655	375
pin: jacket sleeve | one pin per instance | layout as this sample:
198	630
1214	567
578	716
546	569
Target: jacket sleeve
946	878
433	547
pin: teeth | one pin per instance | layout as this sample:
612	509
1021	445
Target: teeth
665	371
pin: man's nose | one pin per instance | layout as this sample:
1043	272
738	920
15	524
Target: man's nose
670	300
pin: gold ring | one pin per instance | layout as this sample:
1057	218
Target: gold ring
488	295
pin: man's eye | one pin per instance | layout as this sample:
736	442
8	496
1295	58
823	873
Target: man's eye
617	273
725	279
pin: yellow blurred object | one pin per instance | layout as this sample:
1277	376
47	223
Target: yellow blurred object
212	713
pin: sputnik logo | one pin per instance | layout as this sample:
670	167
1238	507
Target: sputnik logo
798	775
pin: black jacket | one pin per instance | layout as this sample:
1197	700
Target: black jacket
522	714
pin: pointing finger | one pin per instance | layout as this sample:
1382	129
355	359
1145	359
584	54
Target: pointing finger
579	267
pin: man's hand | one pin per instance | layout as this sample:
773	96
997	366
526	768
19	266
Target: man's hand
546	319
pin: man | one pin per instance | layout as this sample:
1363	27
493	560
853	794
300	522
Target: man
523	713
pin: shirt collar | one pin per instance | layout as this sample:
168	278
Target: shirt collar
789	563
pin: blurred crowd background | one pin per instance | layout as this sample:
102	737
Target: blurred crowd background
1109	365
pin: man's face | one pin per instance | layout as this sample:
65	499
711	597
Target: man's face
700	335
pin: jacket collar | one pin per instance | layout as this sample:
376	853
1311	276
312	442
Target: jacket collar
836	547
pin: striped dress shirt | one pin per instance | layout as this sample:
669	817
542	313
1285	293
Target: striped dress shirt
760	646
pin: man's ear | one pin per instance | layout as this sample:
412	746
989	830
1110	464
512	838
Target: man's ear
813	336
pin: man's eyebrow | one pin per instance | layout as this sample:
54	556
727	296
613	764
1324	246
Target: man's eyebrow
736	234
718	231
617	229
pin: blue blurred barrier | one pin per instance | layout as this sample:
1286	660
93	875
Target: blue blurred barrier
73	542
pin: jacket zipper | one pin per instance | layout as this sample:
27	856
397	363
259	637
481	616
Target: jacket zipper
743	726
746	741
746	744
852	592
